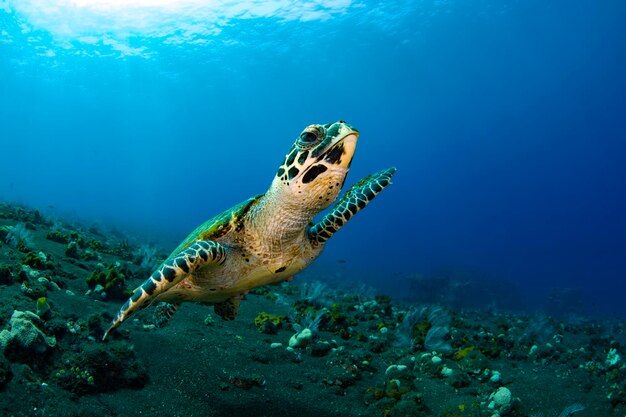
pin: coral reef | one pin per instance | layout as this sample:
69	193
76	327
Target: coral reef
19	237
25	342
110	282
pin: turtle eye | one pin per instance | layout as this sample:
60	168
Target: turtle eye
308	137
311	136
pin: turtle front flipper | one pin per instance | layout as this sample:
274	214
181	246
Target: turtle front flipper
355	199
170	273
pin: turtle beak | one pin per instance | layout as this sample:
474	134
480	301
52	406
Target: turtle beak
349	146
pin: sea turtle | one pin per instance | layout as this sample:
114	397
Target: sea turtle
268	238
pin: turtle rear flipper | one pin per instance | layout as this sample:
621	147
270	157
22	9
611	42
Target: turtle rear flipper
171	272
228	309
163	313
355	199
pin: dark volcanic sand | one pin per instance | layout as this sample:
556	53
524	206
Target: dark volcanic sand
228	368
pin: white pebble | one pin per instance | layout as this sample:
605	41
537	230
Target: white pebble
396	369
495	377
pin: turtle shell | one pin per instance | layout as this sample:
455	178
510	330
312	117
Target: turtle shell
218	226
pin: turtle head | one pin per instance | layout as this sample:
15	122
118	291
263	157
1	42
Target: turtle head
316	167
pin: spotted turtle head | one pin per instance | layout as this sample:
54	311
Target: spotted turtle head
316	167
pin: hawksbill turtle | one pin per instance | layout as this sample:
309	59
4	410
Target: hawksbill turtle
268	238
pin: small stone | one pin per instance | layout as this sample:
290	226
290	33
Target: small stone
436	360
446	372
495	377
276	345
394	370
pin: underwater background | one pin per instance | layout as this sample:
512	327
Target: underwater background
487	281
505	120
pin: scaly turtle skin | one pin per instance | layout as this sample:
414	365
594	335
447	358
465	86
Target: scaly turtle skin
268	238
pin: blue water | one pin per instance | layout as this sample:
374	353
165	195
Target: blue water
506	121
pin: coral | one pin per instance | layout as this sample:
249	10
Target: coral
301	339
314	293
37	260
4	232
33	289
58	236
72	250
440	328
433	324
338	320
413	326
43	308
311	322
112	280
121	250
612	358
306	330
90	255
96	245
25	342
74	379
146	256
19	238
269	323
462	353
500	401
265	292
